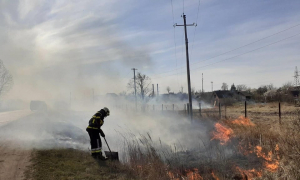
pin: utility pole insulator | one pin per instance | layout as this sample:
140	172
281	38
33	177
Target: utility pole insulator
202	82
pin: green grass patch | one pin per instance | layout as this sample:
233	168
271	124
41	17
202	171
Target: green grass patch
70	164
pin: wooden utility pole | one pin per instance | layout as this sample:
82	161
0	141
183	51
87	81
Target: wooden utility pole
279	113
220	115
187	64
134	69
200	109
152	90
202	82
245	109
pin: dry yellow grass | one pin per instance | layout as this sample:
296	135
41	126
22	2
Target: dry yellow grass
144	161
56	164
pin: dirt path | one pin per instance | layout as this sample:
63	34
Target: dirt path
13	161
9	116
13	158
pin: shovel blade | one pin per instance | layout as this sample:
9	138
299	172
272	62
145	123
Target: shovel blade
112	155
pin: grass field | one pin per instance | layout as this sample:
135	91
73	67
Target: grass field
259	147
67	164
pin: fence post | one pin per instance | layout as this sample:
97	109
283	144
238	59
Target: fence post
279	113
245	109
260	140
188	108
200	109
220	110
185	108
173	108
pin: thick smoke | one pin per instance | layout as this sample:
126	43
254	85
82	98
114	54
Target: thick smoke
70	59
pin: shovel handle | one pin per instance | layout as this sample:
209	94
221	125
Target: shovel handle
107	145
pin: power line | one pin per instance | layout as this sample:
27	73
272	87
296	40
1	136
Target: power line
195	29
248	44
248	51
182	6
239	54
237	47
175	44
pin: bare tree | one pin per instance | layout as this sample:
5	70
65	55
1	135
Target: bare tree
193	91
286	87
142	85
262	89
181	90
224	86
271	87
6	79
123	93
241	87
168	89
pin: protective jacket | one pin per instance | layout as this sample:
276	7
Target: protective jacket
97	120
94	128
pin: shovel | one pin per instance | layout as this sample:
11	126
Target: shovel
111	154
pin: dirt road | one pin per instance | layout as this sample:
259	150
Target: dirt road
7	117
13	158
22	131
13	161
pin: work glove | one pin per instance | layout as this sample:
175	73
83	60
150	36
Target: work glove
102	133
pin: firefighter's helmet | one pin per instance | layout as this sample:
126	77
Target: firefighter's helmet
106	111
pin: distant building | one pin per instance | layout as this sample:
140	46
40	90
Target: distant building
295	91
233	88
172	97
245	95
220	96
230	96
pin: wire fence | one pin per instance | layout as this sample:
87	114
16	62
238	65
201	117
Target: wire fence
275	111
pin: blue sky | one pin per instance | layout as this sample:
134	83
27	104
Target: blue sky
63	46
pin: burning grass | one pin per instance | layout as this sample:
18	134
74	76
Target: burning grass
238	149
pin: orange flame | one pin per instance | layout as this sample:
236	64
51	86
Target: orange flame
194	175
249	174
222	133
172	176
245	150
190	175
259	153
243	121
271	165
214	176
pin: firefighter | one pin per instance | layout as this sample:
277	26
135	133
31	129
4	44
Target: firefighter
94	129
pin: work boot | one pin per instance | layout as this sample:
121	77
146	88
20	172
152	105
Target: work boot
101	157
95	156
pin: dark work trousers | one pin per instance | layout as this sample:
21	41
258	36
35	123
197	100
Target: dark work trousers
96	145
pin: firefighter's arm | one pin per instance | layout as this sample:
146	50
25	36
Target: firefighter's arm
101	133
